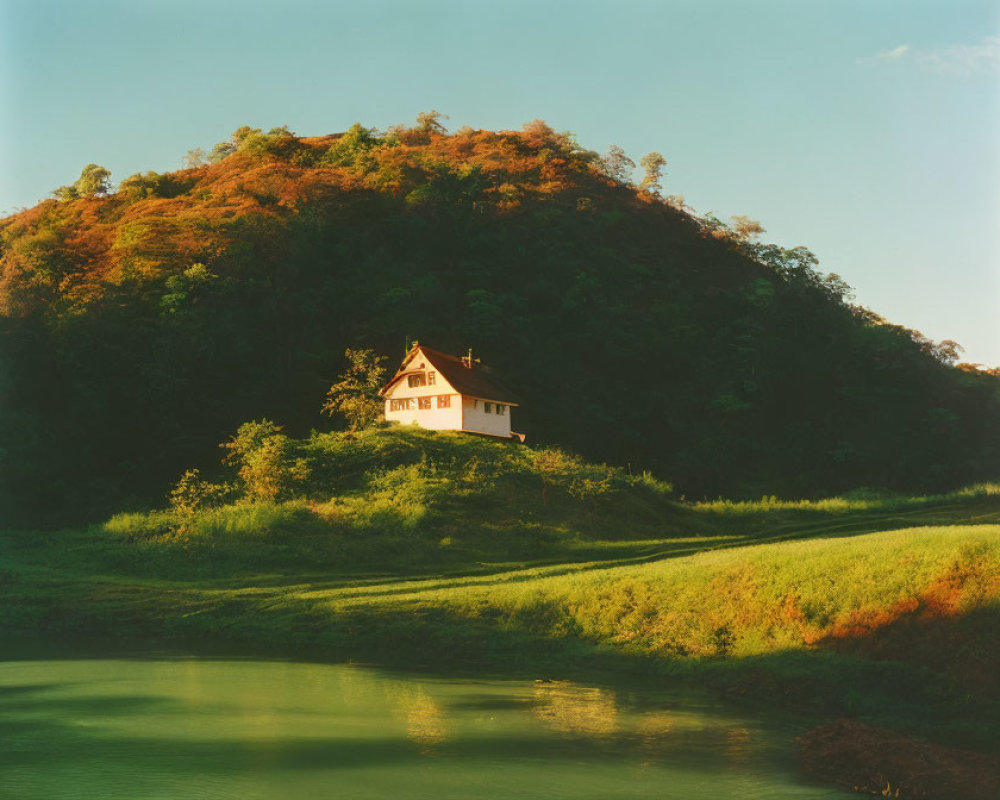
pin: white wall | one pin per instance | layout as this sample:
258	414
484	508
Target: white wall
465	413
438	419
475	418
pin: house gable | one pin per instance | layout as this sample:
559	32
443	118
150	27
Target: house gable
472	379
429	381
443	392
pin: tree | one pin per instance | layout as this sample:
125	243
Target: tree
355	394
745	228
677	201
220	151
355	141
66	192
192	492
616	165
538	129
94	179
141	185
242	133
195	158
232	144
265	460
653	163
430	121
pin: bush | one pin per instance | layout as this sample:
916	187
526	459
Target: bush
267	465
192	492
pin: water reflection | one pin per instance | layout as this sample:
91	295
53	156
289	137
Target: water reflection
74	730
570	708
425	720
653	727
739	745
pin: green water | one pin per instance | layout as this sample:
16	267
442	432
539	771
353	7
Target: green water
103	729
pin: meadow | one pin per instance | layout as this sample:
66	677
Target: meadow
442	552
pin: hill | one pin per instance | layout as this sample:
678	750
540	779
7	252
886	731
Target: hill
140	326
442	551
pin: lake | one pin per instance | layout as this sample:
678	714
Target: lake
173	727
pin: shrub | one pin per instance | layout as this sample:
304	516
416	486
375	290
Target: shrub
265	457
192	492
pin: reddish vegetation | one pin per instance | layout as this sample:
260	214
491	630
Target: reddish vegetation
882	763
952	595
125	236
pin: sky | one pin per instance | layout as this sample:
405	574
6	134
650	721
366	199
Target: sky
866	130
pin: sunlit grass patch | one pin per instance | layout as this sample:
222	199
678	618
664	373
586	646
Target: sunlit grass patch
857	500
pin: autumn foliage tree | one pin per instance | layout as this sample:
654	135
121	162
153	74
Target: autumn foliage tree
652	164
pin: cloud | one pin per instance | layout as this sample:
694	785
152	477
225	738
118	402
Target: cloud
964	59
892	55
957	59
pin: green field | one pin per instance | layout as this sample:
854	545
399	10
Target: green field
443	552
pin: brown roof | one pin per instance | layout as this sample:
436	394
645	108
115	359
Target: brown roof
475	381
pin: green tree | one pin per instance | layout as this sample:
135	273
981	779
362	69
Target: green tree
266	462
430	121
355	395
93	180
355	141
653	164
221	151
192	492
242	133
141	185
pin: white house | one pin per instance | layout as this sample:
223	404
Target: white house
447	393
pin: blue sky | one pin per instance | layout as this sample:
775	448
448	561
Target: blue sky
867	130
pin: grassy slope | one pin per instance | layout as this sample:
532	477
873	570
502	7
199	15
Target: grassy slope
442	550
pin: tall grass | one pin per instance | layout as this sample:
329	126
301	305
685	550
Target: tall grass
857	500
452	548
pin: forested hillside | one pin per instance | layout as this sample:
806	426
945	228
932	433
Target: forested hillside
141	326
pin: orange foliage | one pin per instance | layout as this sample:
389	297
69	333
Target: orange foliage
951	595
109	238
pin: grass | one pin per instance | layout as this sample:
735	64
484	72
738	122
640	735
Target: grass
455	552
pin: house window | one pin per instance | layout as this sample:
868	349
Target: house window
431	378
424	403
417	380
395	405
444	401
411	404
501	409
488	408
